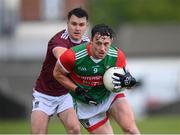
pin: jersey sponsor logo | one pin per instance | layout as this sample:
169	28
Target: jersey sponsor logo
92	81
82	68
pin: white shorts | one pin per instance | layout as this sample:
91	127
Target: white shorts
51	104
92	116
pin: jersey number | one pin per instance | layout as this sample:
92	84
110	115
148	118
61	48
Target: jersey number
95	70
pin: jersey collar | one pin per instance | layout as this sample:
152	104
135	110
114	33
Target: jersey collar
90	55
75	41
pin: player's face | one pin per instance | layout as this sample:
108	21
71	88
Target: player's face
77	27
100	46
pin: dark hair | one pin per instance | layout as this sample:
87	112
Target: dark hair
79	12
103	30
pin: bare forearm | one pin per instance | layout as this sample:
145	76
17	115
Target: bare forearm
66	82
61	77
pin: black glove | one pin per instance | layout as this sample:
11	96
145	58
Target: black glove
123	81
83	92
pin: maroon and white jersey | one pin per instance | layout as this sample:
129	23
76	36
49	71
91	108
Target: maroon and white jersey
46	83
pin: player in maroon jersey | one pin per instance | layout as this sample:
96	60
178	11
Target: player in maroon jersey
49	97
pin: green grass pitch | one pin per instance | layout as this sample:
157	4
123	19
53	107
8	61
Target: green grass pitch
149	125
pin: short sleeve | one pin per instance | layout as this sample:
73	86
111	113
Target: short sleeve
67	60
121	60
56	41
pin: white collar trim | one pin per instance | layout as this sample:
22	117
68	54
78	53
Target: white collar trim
95	60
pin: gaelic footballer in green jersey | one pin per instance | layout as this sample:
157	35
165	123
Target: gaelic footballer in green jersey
87	73
81	68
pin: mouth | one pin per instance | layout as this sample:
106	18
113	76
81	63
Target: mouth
77	33
101	55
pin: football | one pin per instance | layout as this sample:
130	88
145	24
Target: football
107	77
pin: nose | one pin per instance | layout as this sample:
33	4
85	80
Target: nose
103	48
77	27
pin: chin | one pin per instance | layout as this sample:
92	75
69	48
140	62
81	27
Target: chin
102	57
77	37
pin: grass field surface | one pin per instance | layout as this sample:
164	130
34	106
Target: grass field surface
149	125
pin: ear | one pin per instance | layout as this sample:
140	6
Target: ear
67	22
87	24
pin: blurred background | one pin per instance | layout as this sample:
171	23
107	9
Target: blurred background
148	31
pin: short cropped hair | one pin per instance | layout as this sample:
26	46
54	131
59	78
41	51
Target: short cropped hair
79	12
103	30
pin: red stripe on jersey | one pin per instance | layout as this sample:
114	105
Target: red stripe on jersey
67	59
74	77
121	61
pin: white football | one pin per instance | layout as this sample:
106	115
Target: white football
107	77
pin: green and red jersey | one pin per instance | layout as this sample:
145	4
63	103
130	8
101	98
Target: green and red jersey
87	72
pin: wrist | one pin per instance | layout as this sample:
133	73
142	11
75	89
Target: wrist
79	90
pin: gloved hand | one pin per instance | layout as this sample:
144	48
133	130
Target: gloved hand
83	92
123	81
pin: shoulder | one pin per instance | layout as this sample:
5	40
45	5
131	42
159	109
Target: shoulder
60	39
61	35
120	52
116	50
68	54
113	51
80	51
121	60
85	38
64	34
79	48
67	60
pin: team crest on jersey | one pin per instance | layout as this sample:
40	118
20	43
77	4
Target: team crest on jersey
107	66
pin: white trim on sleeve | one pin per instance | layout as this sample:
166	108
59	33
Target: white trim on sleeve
63	66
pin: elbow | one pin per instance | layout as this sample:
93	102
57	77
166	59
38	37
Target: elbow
57	75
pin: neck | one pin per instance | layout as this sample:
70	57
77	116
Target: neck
93	56
74	40
95	60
